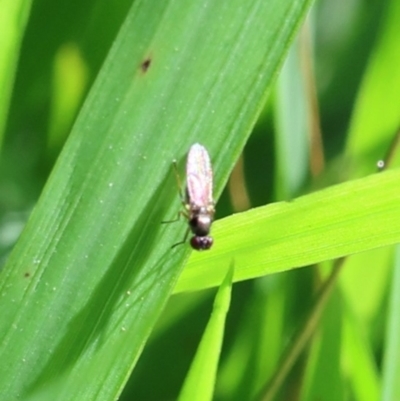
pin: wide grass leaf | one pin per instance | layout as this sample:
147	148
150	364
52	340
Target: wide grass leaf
353	217
94	267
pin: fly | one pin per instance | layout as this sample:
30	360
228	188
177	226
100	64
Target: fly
198	201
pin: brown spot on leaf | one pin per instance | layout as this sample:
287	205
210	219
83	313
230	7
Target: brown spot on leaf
145	64
27	274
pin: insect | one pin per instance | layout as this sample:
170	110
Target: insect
198	202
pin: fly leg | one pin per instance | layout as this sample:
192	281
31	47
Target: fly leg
184	212
184	239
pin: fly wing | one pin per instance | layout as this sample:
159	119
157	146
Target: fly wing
199	176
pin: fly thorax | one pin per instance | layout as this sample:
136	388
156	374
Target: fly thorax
200	222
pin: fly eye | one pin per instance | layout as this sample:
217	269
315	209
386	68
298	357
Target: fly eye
201	243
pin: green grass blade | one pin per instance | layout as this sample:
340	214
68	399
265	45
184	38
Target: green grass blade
290	119
93	269
253	356
200	381
391	368
358	360
323	374
348	218
376	119
366	293
13	17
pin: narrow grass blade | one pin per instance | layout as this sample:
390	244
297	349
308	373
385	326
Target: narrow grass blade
376	118
13	17
391	367
358	360
200	381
